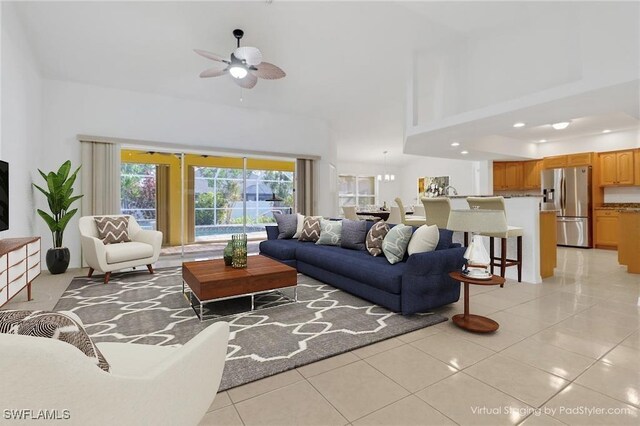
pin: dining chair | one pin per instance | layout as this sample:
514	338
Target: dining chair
350	212
414	220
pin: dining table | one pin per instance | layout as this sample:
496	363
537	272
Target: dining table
382	214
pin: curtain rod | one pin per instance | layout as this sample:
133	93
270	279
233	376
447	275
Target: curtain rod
186	147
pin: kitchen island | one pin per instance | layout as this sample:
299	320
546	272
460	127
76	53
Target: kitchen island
522	211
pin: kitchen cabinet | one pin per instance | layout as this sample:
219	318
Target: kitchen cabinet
507	175
617	168
531	174
499	176
629	243
637	166
582	159
555	162
513	175
607	230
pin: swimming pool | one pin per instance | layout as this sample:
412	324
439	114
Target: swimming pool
207	231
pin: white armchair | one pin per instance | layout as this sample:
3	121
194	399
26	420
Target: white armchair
156	385
144	248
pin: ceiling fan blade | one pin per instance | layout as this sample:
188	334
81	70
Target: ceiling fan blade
251	55
213	72
268	71
248	82
211	56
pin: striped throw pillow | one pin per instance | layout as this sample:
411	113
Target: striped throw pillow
52	325
113	230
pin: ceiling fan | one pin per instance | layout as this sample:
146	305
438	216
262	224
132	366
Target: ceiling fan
245	65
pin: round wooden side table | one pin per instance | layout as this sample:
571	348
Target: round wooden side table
470	322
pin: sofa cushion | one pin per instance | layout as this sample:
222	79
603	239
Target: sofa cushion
287	224
375	236
355	264
424	239
394	245
354	233
299	225
125	252
311	229
280	249
113	230
52	325
331	232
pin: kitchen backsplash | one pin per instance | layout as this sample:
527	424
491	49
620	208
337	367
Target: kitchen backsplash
623	194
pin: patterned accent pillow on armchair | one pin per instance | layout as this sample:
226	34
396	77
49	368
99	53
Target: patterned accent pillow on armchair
52	325
112	230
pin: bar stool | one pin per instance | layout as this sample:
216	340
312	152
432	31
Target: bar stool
497	203
437	211
413	220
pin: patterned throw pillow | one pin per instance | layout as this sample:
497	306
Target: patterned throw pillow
311	229
53	325
395	243
330	233
375	236
113	229
354	232
287	224
425	239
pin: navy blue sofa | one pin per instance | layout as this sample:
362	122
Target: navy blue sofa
420	283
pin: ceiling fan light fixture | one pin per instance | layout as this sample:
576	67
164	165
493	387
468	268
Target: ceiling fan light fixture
238	71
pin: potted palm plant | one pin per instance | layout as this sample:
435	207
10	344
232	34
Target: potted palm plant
60	196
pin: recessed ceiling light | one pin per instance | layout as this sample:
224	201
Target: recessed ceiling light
606	131
464	152
561	125
518	125
455	144
542	141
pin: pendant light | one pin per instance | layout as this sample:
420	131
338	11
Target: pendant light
386	176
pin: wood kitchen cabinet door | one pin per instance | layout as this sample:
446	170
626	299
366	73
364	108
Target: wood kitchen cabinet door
608	168
513	175
531	174
636	156
499	177
607	228
624	163
555	162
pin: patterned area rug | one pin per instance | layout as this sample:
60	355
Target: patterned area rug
151	309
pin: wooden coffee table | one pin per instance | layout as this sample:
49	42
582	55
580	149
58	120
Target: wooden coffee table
468	321
212	281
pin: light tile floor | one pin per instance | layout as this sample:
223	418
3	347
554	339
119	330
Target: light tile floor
567	352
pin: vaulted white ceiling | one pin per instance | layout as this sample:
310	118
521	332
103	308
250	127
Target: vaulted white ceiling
347	63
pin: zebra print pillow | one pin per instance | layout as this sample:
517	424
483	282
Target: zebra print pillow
54	325
113	230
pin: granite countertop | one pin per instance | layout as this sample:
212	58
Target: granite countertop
505	196
620	207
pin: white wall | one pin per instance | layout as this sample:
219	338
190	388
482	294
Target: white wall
21	119
462	175
72	108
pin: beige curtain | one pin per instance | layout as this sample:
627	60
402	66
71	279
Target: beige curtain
100	178
304	186
162	201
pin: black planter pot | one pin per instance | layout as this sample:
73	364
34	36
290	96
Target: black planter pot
58	260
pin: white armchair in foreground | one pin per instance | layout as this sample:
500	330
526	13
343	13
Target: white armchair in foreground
144	248
155	385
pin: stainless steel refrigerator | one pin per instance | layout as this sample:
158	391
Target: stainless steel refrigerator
568	191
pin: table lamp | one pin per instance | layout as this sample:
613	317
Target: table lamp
477	221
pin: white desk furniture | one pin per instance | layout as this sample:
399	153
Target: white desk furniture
19	266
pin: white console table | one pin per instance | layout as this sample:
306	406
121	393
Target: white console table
19	266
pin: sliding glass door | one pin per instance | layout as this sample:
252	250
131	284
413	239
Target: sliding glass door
198	201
